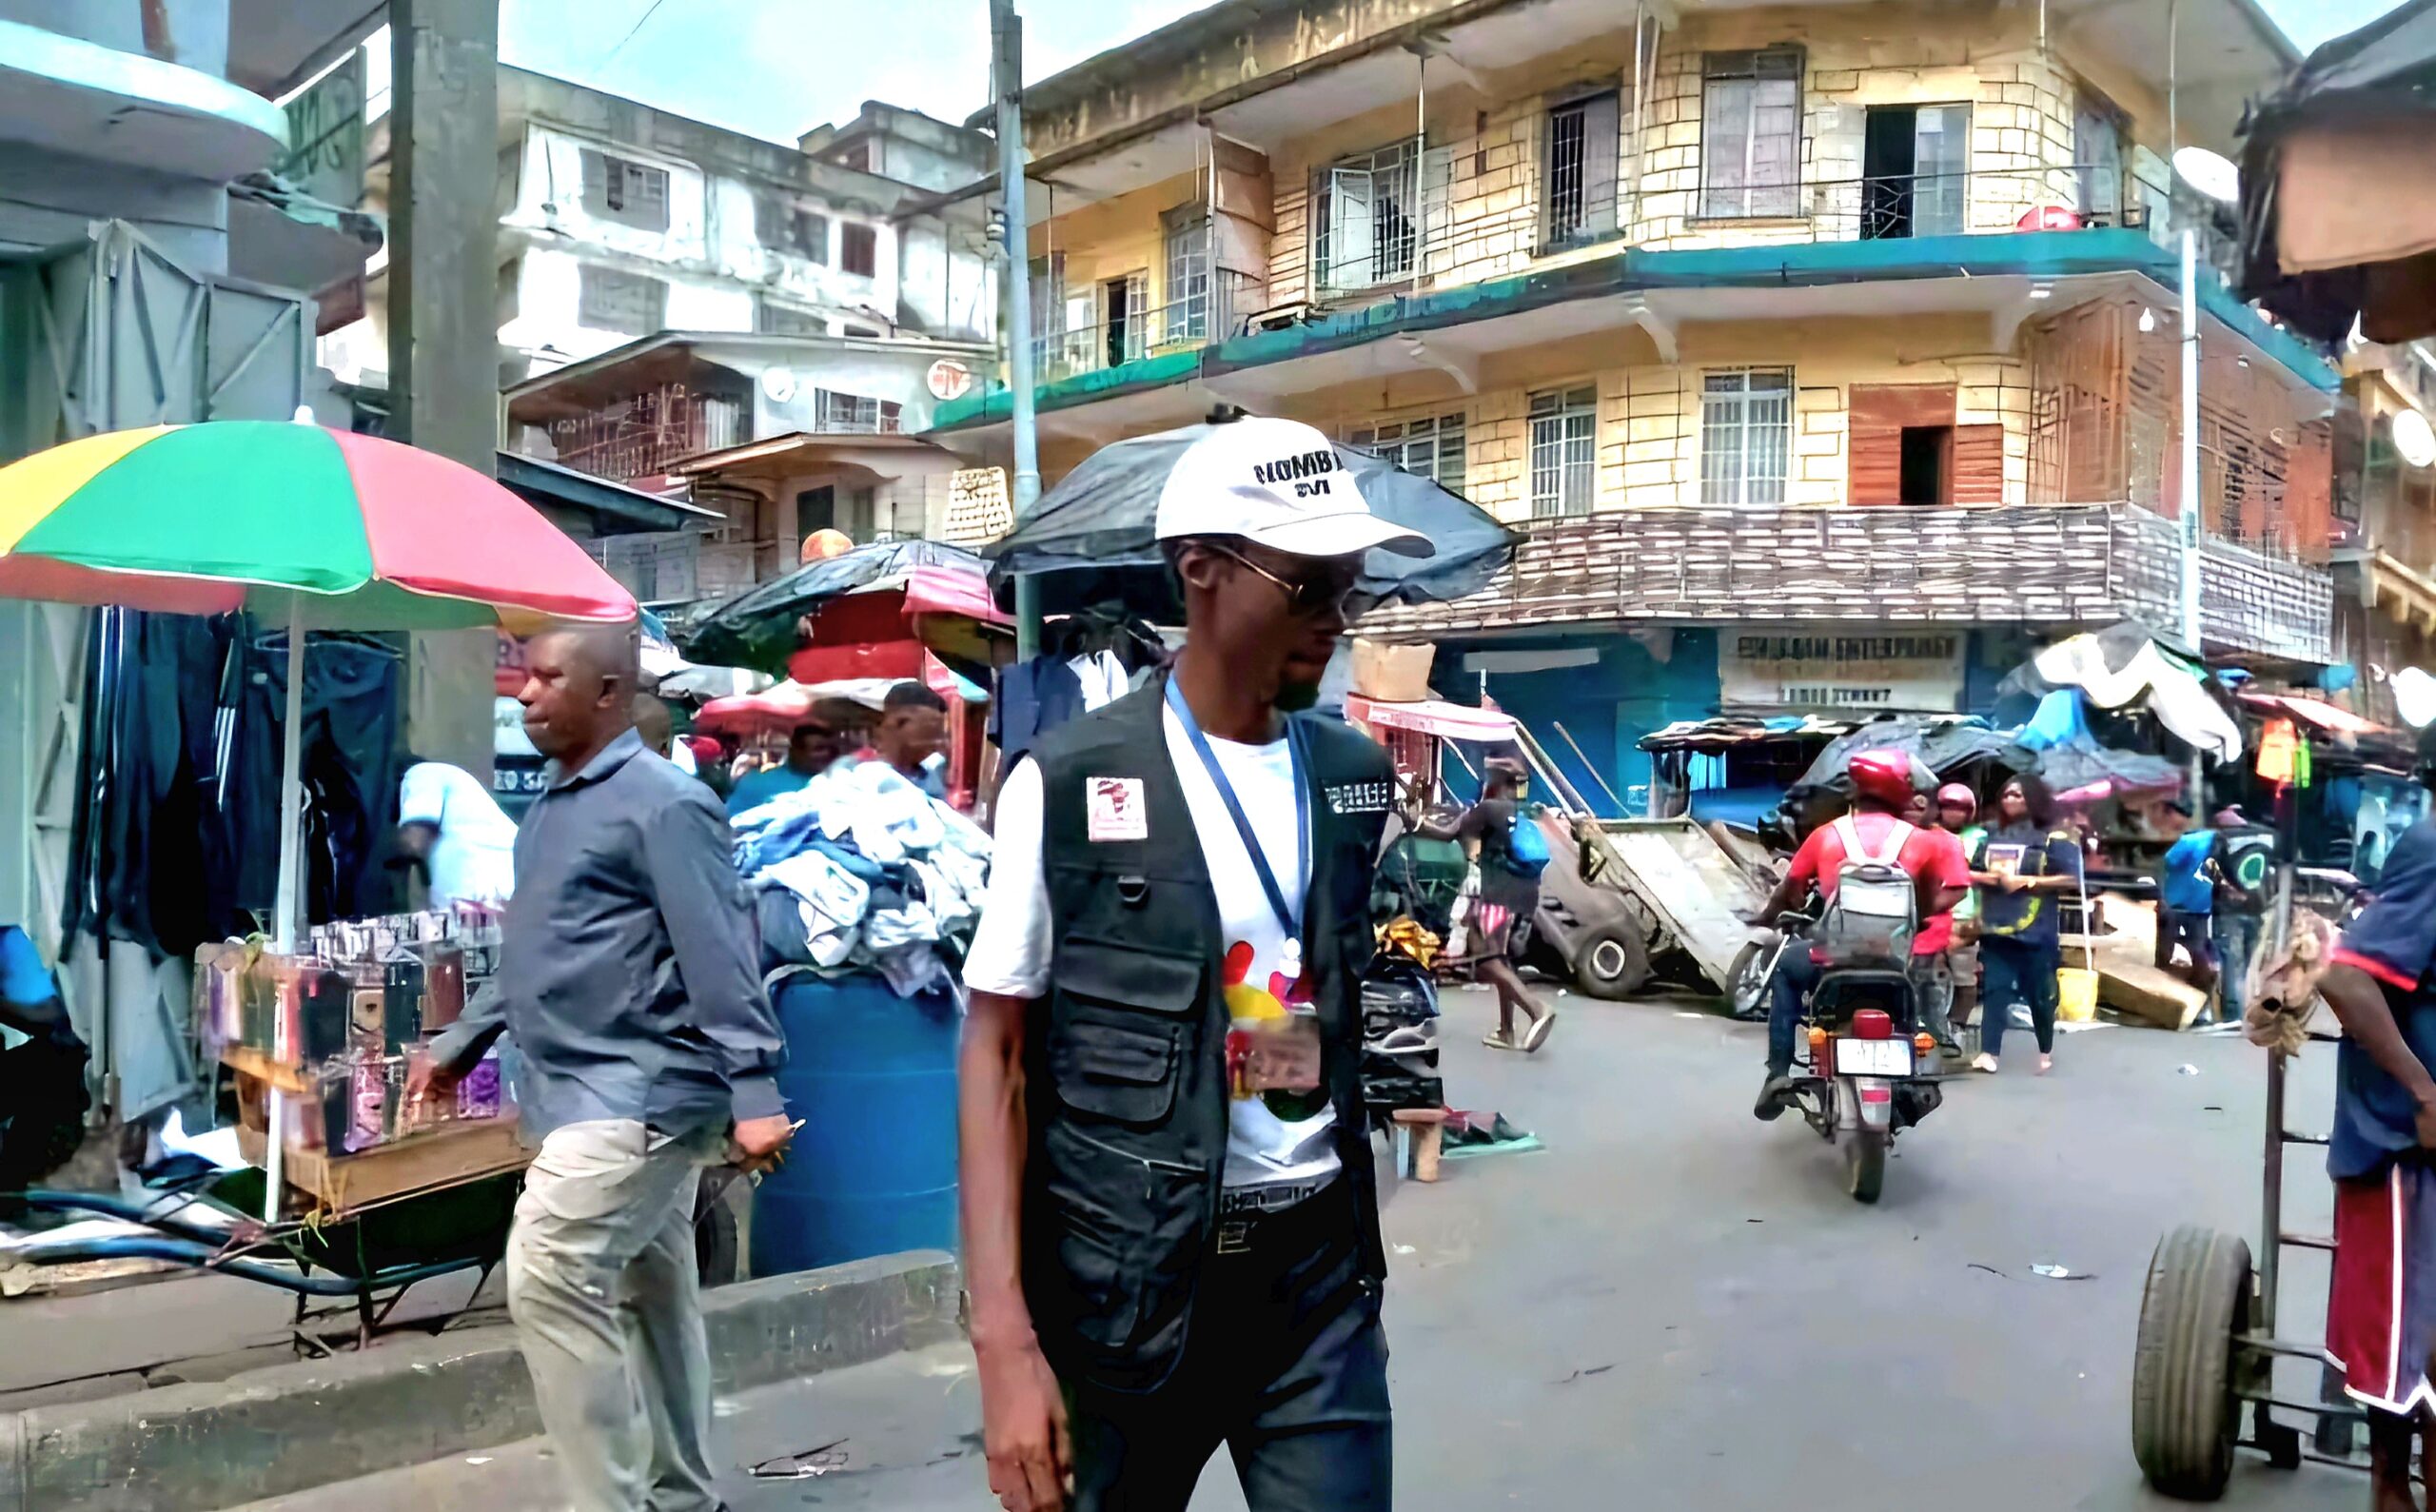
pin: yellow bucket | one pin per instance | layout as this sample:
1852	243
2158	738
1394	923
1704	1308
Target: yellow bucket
2076	994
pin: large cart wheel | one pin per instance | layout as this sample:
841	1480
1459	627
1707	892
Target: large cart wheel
2184	1414
1612	963
1865	1163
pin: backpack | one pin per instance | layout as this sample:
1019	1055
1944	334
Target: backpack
1525	852
1876	910
2246	868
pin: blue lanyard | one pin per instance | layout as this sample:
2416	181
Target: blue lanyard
1286	920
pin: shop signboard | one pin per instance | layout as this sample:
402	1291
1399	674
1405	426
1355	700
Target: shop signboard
1834	667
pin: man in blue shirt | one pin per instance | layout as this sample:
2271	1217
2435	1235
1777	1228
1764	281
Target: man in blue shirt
2380	1303
816	746
2186	900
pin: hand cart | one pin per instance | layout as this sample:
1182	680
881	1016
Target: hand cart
2209	1339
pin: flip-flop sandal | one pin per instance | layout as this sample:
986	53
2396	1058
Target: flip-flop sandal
1499	1042
1537	1034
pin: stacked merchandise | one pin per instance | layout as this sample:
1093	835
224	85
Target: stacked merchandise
1399	1037
860	870
349	1018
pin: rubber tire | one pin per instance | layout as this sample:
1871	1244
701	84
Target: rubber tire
1747	960
2184	1417
718	1239
1865	1163
1612	963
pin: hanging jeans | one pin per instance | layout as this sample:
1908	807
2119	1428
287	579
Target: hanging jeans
2015	972
352	760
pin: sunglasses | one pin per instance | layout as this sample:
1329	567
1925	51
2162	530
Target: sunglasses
1309	595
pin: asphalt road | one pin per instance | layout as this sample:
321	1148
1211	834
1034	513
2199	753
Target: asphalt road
1678	1304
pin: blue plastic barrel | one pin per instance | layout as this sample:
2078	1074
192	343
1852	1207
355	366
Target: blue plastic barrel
872	1170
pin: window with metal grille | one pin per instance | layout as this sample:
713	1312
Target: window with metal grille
1751	133
857	249
771	319
784	227
1582	143
1369	212
857	414
609	299
1186	315
1431	446
1746	436
625	191
2098	156
1564	450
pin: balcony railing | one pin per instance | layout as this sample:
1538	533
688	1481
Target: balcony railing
2054	564
1211	313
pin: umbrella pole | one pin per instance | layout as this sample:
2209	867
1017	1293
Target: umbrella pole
288	900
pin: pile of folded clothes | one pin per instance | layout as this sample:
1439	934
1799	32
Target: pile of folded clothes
860	870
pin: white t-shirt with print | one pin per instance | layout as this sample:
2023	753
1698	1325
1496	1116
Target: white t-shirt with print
473	858
1012	946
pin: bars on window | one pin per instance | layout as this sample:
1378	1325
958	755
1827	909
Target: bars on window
1583	142
1564	450
1431	446
631	193
1187	311
1746	436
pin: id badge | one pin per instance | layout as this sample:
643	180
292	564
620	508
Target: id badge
1276	1056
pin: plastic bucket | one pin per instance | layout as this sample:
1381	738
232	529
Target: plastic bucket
2076	994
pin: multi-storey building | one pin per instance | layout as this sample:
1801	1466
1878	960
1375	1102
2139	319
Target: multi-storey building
2384	518
1825	353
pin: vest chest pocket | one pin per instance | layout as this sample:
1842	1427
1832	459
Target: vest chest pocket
1120	1019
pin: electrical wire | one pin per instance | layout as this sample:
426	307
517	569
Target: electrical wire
649	12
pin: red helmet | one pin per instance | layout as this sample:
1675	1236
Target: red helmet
1885	776
1959	796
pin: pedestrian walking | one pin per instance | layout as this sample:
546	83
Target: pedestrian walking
2242	861
2187	900
2021	868
1508	852
1171	1218
820	739
2381	1298
1958	815
912	736
627	980
450	825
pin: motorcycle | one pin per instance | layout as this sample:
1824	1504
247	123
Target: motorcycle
1865	1066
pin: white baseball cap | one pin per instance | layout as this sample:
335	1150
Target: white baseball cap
1279	483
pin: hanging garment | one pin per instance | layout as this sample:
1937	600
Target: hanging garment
1032	699
2279	751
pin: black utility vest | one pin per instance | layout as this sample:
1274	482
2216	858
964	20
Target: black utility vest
1127	1058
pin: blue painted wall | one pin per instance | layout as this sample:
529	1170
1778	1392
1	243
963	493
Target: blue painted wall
1606	706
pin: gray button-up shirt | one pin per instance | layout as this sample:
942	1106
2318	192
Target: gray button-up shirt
626	971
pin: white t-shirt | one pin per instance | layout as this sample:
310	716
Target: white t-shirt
1012	946
473	858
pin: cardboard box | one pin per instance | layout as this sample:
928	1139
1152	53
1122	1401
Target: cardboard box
1392	674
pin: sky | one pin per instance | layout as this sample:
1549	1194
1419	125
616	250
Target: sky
778	67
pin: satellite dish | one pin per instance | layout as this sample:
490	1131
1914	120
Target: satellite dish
2210	173
778	383
2413	439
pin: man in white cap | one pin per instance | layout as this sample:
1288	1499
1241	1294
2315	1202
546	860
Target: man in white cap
1171	1218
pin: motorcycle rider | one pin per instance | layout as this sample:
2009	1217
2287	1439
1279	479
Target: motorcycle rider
1882	792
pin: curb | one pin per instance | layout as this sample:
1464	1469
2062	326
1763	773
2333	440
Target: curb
193	1448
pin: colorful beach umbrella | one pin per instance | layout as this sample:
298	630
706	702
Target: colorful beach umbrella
294	522
304	526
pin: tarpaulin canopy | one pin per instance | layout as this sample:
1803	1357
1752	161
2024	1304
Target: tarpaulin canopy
1448	721
2125	663
1940	743
2339	189
1092	540
760	627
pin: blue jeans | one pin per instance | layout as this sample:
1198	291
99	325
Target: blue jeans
1795	975
2236	938
2013	972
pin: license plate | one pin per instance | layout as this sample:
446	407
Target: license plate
1872	1057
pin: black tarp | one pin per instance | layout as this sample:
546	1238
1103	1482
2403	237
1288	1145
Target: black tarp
1092	540
757	627
2385	72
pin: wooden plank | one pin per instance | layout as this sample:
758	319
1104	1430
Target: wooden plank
448	1156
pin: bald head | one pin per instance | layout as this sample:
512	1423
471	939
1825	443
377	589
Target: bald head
580	688
655	723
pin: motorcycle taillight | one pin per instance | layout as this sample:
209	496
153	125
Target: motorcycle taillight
1871	1023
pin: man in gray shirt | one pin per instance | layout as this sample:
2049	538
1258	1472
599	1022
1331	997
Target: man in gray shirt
649	1049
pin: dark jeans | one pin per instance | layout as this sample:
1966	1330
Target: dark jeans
1287	1365
2236	941
2013	972
1795	975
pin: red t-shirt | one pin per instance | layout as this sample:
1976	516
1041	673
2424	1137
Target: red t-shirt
1930	855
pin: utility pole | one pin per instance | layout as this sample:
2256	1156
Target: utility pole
1007	63
2189	515
443	332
